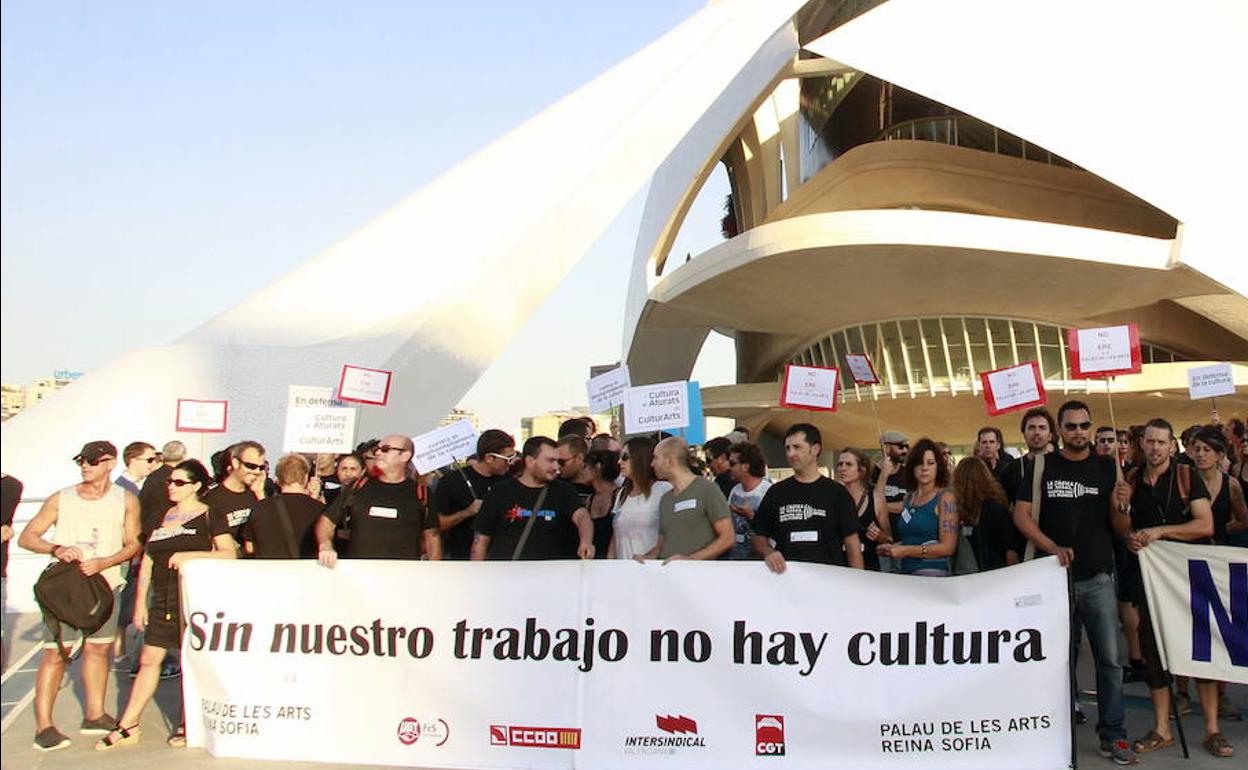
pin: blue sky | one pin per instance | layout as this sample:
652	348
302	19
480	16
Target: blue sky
162	161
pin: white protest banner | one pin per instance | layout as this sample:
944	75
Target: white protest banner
1198	600
446	445
1210	381
1012	388
1104	352
810	387
860	369
199	416
614	664
317	422
364	386
608	389
660	406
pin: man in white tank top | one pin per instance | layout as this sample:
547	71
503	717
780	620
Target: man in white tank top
97	525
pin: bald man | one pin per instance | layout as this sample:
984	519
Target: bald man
694	519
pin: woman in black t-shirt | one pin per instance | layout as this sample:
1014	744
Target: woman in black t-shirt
189	531
605	466
853	469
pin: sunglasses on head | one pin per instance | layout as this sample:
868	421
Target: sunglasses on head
1076	425
505	458
179	482
84	461
255	466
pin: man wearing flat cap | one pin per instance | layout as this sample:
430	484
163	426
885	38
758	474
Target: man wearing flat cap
97	527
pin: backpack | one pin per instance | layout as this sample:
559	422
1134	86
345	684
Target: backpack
68	597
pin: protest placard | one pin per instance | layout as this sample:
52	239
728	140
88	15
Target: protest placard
1104	352
1210	381
608	389
810	387
364	386
861	370
661	406
317	422
1013	388
200	416
444	446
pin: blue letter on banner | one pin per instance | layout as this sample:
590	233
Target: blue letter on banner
1205	599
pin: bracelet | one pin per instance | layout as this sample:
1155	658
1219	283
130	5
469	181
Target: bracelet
923	552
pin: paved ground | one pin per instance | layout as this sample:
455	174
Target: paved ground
19	724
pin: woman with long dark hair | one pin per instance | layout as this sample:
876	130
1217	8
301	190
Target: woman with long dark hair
636	527
187	532
985	516
928	527
605	467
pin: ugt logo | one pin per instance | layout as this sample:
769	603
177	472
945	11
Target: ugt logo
1233	626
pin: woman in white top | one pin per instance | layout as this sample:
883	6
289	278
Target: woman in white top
636	506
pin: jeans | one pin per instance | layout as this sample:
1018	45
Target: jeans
1095	606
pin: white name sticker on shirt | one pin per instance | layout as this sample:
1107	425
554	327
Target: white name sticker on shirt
806	536
686	505
238	518
905	516
379	512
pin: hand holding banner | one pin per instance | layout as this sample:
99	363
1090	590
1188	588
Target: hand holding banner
608	389
810	387
1104	352
1012	388
446	445
364	386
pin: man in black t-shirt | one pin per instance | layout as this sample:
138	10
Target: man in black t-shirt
1169	501
717	453
1080	502
458	496
561	527
242	487
570	455
265	535
387	515
809	516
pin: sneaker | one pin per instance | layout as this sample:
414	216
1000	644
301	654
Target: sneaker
50	739
1080	717
1119	751
170	671
101	725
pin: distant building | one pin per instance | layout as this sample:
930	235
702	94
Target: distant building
18	398
547	423
462	414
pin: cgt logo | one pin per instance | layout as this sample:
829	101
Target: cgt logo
435	732
768	735
536	737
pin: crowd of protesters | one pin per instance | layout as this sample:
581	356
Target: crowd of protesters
1092	498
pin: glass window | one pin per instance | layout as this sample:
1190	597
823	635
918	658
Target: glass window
913	353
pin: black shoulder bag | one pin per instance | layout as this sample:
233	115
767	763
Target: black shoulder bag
524	536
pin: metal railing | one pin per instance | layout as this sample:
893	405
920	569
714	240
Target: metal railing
973	134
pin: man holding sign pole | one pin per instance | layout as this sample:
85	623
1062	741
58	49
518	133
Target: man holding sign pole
458	496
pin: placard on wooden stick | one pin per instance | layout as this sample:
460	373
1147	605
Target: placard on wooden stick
1013	387
1105	351
810	387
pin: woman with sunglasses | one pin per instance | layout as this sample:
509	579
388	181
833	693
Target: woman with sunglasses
189	531
636	509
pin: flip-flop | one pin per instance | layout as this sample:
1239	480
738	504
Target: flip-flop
1151	742
1217	745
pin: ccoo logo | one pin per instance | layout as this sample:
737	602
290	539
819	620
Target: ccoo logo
768	735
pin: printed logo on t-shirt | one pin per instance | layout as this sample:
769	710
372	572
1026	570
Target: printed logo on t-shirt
238	518
165	534
516	513
1061	489
800	512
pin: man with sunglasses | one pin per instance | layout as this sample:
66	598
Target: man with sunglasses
97	526
388	516
1081	504
571	458
141	459
242	487
457	497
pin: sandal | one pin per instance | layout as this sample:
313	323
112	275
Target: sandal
1151	742
119	736
177	739
1217	745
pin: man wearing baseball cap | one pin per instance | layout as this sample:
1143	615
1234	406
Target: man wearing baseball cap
97	526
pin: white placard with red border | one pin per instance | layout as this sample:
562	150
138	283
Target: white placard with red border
1013	388
860	369
200	416
811	387
1106	351
364	386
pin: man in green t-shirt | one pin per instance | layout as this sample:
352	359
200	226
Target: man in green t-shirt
694	520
